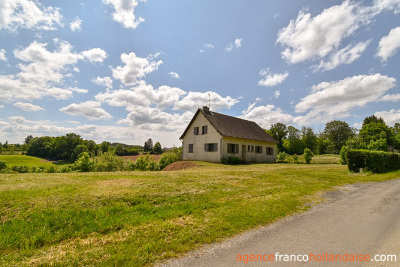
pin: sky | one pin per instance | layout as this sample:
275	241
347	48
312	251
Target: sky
129	70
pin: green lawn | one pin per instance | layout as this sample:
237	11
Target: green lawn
139	218
29	161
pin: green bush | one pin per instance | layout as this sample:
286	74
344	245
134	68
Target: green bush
231	161
108	162
295	158
146	163
167	159
50	169
281	156
308	155
83	163
20	169
374	161
343	153
3	164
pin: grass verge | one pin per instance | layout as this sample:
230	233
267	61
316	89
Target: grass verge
139	218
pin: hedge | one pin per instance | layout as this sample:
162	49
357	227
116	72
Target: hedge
374	161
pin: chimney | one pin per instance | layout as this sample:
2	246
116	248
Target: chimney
206	110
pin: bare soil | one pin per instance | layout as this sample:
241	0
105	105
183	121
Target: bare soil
180	165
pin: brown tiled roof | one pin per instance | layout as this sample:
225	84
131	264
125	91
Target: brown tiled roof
229	126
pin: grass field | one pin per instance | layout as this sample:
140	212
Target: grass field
25	160
139	218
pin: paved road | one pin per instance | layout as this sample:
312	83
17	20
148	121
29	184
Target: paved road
362	219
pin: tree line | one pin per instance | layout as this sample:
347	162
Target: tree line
68	147
374	134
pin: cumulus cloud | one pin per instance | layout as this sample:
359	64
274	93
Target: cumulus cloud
336	99
90	109
27	106
389	44
95	55
3	55
42	73
209	45
391	117
277	94
193	100
75	25
236	44
174	75
344	56
135	68
271	79
1	106
141	96
309	38
124	12
266	115
105	81
25	14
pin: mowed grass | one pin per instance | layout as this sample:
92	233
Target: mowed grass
140	218
17	160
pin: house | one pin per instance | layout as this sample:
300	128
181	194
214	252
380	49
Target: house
211	136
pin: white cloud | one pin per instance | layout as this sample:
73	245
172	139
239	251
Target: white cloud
389	44
271	79
390	117
90	109
27	106
135	68
344	56
3	55
391	5
1	106
209	45
277	94
141	96
25	14
236	44
174	75
105	81
75	25
194	100
125	12
266	115
392	97
336	99
95	55
42	73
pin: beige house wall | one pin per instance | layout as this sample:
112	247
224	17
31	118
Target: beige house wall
249	156
198	141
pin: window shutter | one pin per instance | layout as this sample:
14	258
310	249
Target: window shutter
216	147
206	147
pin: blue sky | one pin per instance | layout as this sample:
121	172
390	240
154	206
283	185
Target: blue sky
129	70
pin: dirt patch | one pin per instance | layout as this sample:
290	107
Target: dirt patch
134	158
180	165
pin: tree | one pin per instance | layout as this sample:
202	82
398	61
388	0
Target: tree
309	138
28	139
337	132
279	132
119	149
148	145
376	135
104	146
157	149
293	143
371	119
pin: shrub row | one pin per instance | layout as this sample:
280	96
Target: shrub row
374	161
